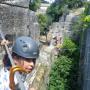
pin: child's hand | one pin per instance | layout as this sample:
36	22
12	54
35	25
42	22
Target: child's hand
4	42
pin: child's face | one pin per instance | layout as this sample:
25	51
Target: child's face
27	64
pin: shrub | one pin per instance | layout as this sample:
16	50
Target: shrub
59	73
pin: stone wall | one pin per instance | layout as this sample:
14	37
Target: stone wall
22	3
18	21
39	78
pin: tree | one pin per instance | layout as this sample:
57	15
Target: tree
74	3
43	20
56	9
34	5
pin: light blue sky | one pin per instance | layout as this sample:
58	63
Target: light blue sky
50	1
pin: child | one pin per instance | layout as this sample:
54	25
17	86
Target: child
25	51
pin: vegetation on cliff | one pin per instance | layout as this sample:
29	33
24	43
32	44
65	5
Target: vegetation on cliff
34	5
57	8
65	70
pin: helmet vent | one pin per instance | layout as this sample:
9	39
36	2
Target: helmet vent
25	48
22	41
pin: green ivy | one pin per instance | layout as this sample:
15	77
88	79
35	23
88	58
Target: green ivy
64	71
68	47
59	73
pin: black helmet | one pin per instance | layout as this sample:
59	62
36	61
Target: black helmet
26	47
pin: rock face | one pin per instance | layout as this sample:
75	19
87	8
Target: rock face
55	34
59	30
67	20
23	3
17	21
66	23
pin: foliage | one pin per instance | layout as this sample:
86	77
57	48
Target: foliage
54	12
59	74
74	3
87	9
57	8
71	49
44	1
43	20
86	16
68	47
64	72
34	5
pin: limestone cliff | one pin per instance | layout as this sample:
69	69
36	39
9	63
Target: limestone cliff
17	20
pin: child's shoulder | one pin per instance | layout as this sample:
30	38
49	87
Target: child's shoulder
4	79
4	72
1	70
